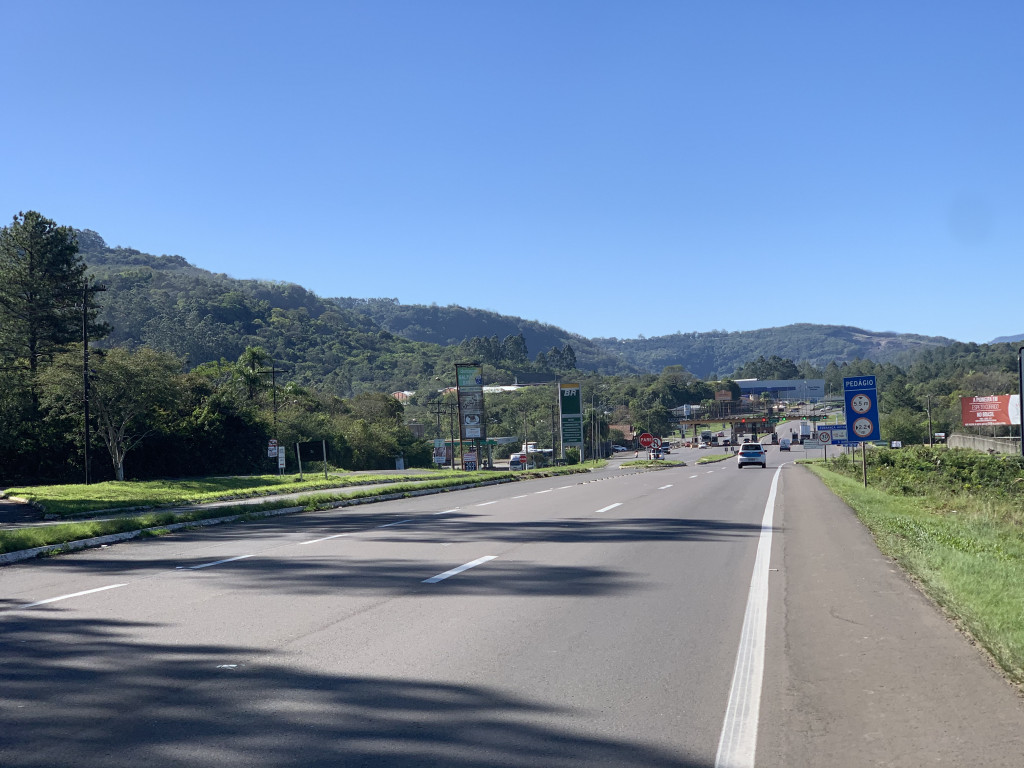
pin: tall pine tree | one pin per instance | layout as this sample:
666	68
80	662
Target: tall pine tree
42	289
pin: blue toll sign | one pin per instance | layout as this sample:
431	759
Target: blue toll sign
860	397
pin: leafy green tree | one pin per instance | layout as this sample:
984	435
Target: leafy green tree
904	425
133	395
252	370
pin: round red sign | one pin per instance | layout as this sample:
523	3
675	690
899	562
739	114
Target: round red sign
646	439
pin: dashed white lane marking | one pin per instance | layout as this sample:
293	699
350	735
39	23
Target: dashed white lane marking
563	487
218	562
709	472
610	506
549	490
738	743
662	488
397	522
325	538
73	594
460	569
692	476
521	497
447	511
488	503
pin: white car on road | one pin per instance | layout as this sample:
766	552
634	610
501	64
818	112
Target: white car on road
752	453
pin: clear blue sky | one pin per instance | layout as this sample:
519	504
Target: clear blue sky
614	168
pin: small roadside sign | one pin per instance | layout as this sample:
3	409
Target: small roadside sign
824	437
272	449
656	443
280	459
836	433
646	439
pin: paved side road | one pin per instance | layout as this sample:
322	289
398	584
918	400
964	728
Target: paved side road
861	669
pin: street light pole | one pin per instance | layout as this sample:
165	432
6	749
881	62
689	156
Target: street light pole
929	399
85	372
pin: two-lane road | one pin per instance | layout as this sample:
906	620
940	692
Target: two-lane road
557	622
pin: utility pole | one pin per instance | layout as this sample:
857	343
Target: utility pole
929	398
85	365
273	386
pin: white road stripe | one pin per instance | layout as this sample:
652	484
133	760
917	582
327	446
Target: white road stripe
662	488
521	497
219	562
738	743
446	511
692	476
460	569
610	506
325	538
549	490
73	594
397	522
487	503
563	487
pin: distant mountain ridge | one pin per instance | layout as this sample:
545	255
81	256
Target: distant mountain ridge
1007	339
166	302
702	354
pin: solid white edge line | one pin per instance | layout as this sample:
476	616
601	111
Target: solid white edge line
737	745
610	506
325	538
460	569
219	562
74	594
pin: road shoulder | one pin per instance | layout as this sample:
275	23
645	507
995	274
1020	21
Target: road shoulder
861	668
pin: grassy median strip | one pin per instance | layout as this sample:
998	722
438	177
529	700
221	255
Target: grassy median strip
964	547
713	457
76	500
62	533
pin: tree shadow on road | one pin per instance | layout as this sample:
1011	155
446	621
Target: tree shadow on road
94	694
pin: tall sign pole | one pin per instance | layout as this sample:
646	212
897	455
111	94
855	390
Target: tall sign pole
469	383
570	412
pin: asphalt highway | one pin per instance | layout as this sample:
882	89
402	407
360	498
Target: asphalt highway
620	618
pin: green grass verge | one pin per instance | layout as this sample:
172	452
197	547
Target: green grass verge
966	552
62	533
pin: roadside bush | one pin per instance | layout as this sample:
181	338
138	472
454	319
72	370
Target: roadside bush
923	471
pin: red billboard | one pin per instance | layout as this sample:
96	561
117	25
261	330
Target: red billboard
993	409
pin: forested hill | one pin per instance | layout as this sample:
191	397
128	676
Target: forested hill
719	353
351	345
455	324
168	304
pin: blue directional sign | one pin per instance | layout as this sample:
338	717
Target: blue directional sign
860	397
